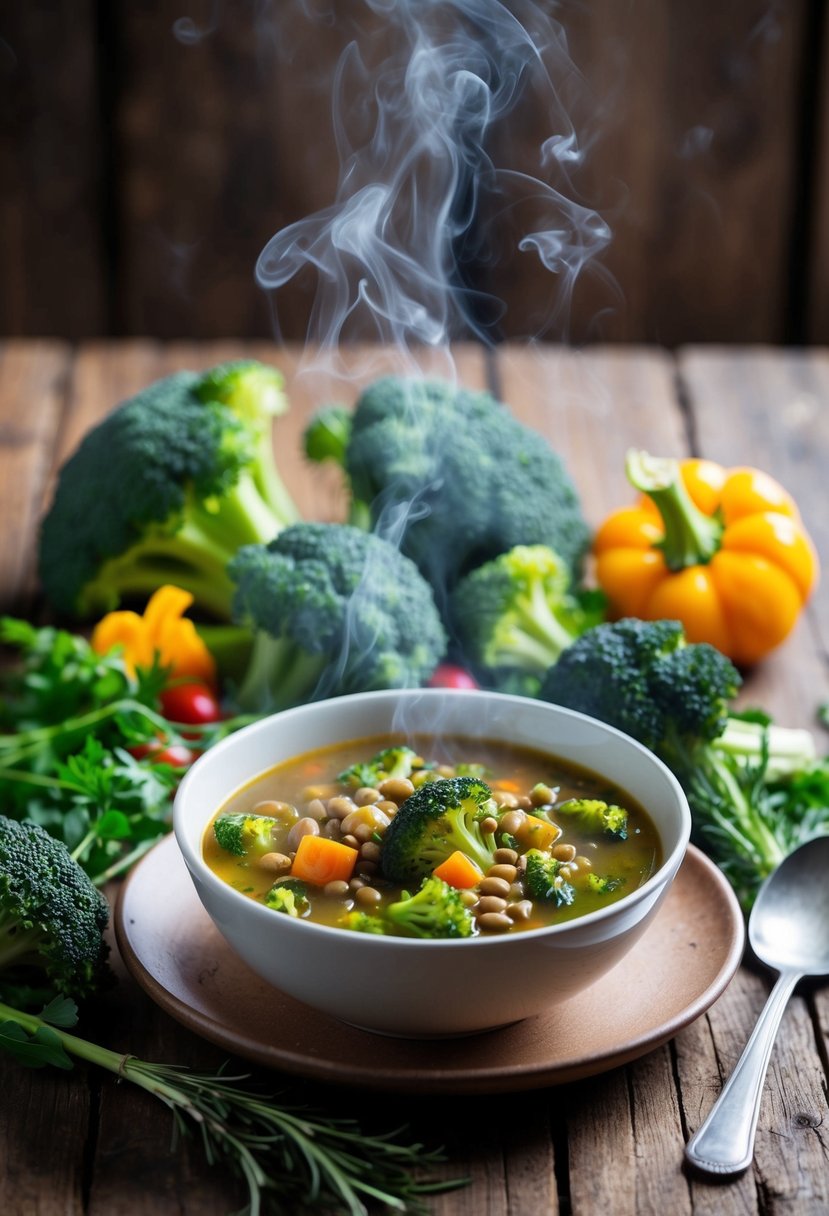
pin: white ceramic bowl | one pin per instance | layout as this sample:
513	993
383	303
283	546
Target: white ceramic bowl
419	988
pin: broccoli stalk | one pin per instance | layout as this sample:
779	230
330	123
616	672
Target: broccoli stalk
744	780
333	610
517	613
436	910
165	490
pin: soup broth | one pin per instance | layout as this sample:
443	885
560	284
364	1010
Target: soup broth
550	841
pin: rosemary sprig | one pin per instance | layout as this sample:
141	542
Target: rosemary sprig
289	1158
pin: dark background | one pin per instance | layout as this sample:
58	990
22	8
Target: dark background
149	150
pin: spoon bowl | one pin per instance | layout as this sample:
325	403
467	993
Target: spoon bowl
789	923
789	931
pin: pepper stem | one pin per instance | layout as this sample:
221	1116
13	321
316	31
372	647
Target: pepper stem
691	537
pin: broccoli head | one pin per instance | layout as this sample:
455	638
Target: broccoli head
439	818
288	896
637	676
334	610
516	613
242	834
435	910
603	885
362	922
455	475
543	882
597	817
52	917
165	489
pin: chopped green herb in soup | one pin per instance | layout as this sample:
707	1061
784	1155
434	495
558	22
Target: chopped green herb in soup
432	838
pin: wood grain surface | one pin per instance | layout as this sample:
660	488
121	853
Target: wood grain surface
84	1145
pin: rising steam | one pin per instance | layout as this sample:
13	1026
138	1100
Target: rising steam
416	98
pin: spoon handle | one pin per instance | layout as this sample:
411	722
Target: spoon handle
724	1143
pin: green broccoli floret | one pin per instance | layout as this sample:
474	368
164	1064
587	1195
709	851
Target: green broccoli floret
290	896
514	615
644	678
543	882
362	922
328	433
595	816
51	918
335	610
456	476
435	910
439	817
165	490
604	885
390	762
242	834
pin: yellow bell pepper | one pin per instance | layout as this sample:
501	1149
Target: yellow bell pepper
724	551
163	634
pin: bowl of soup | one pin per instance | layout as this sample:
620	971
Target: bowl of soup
431	862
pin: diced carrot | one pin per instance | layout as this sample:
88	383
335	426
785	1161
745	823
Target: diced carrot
506	783
459	871
536	833
319	860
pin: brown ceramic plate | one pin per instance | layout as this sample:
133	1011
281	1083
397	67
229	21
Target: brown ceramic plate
676	970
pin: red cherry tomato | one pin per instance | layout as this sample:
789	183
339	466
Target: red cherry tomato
193	702
176	754
449	675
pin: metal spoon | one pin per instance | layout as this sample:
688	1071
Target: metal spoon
789	930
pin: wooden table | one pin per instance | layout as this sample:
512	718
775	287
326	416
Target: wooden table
81	1143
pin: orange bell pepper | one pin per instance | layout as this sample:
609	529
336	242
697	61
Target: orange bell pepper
724	551
162	634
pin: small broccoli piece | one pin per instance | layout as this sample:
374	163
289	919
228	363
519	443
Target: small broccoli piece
328	433
390	762
52	918
440	817
435	910
242	834
514	615
543	882
362	922
334	610
596	816
458	476
165	490
290	896
604	885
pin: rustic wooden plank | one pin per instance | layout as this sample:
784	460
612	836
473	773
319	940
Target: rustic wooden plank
600	1128
136	1169
51	164
816	283
250	150
686	126
32	381
768	408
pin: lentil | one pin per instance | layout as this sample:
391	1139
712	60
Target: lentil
396	789
495	922
302	827
494	886
275	863
367	896
502	870
366	796
490	903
